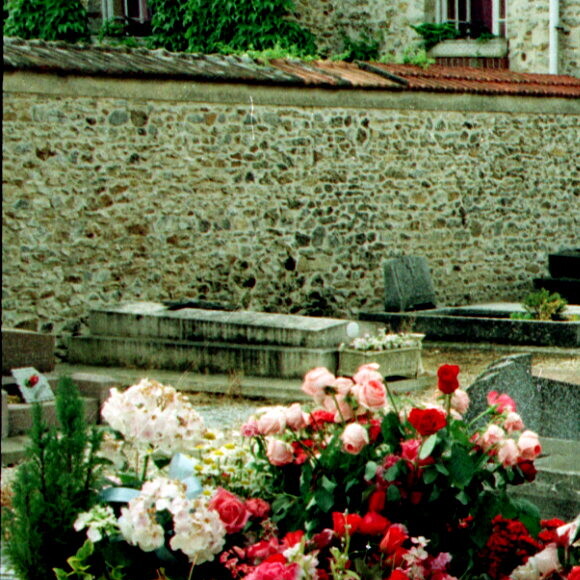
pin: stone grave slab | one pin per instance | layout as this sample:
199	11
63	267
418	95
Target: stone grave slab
33	386
21	348
408	284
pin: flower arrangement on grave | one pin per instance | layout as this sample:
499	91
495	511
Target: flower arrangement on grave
358	485
383	340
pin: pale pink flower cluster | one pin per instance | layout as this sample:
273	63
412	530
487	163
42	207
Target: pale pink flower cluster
198	531
366	387
152	414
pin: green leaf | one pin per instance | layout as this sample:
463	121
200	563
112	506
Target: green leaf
463	497
327	484
393	493
428	446
461	467
370	470
430	475
324	499
393	472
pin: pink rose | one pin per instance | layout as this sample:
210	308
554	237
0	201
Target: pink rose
274	571
366	373
296	419
263	549
410	449
503	402
315	382
513	422
354	438
279	452
231	509
250	429
460	401
258	508
371	395
342	385
341	409
491	436
273	421
508	452
529	445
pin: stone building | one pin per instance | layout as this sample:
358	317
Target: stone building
537	36
131	174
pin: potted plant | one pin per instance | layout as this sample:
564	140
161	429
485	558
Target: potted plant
397	354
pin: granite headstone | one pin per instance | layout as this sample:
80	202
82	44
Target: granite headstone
550	408
408	284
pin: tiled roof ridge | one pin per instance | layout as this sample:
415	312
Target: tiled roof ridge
95	59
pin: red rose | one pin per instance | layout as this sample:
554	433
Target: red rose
574	573
398	575
341	521
427	421
258	508
274	571
33	380
447	378
377	501
231	509
373	524
293	538
319	417
528	469
393	539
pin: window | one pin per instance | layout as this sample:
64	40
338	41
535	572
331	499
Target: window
474	17
135	13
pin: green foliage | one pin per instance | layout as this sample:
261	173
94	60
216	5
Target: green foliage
434	33
210	26
51	487
167	25
542	305
363	48
418	57
47	19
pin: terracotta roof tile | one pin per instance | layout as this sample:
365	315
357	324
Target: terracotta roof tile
114	61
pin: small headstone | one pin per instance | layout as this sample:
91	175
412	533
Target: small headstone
408	284
33	386
21	348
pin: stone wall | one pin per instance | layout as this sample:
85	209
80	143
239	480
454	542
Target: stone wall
529	36
273	198
387	22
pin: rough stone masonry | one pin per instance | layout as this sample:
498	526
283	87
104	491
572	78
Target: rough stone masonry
272	198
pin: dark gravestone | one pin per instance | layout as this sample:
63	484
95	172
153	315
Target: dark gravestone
408	284
23	348
550	408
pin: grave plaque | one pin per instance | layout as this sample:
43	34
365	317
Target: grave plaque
33	386
408	284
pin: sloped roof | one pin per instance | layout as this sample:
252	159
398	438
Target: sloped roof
98	60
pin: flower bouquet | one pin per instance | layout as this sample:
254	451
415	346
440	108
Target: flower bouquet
358	485
397	354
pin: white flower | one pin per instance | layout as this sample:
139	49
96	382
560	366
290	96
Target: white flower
151	414
100	520
198	531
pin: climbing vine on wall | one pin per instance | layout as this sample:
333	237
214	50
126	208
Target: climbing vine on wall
210	26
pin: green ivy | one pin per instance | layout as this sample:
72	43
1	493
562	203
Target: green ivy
363	48
434	33
226	26
47	19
